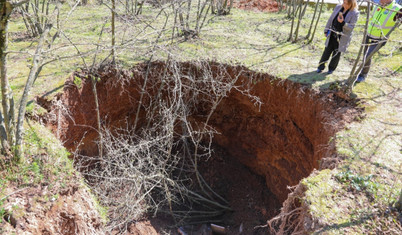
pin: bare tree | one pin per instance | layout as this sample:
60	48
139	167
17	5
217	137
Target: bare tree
8	140
134	7
299	18
353	75
113	10
12	139
292	16
310	39
190	25
296	11
281	5
6	8
35	15
33	74
312	20
221	7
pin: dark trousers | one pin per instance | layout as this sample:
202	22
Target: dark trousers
371	43
331	49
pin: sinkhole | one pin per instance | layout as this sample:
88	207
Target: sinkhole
255	135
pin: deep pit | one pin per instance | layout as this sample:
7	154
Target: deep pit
275	144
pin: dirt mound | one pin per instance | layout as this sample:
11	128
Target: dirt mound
282	140
257	5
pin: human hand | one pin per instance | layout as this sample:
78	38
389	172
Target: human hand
340	17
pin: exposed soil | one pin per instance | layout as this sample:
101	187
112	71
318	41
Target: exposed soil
257	5
280	142
36	210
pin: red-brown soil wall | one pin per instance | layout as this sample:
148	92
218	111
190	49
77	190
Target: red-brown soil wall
287	137
283	140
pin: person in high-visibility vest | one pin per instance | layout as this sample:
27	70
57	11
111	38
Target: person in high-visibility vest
383	19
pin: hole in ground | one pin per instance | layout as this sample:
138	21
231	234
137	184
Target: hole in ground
249	197
279	130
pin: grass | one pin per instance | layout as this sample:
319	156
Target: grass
46	160
354	198
46	166
260	43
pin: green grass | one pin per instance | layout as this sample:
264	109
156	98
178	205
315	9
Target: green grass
256	40
2	212
46	161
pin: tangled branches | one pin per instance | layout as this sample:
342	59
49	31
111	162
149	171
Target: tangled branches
152	165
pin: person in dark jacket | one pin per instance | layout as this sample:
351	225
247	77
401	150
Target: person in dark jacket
338	31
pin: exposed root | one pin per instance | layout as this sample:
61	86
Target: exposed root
291	218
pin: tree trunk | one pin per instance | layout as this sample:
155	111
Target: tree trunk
352	72
230	6
316	24
113	31
188	14
312	20
33	73
293	20
289	6
6	92
298	20
5	148
305	7
98	119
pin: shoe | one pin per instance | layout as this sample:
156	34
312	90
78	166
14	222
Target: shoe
330	71
360	78
319	70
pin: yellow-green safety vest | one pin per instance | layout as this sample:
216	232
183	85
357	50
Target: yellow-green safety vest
382	20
